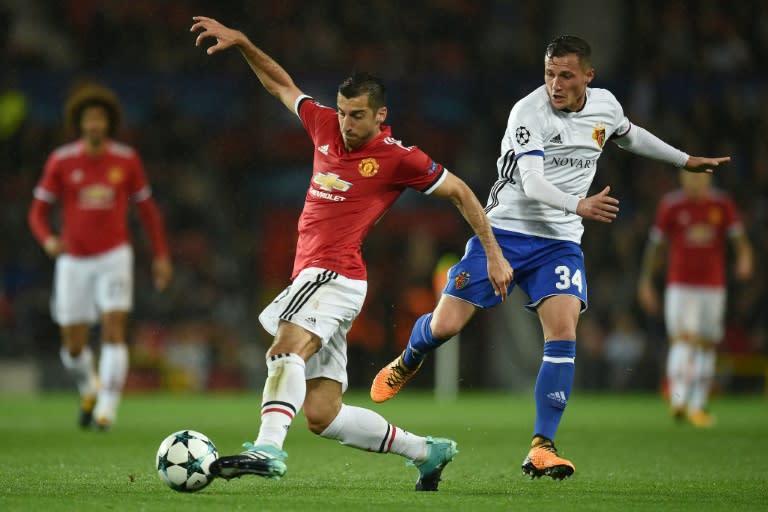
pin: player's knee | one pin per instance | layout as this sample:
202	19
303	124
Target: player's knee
318	417
444	328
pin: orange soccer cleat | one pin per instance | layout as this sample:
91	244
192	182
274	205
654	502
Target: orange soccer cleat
701	419
543	460
390	379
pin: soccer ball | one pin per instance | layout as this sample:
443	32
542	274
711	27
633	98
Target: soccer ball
183	460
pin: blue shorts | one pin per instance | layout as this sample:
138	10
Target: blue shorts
543	267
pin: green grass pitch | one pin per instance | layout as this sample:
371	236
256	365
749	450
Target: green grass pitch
628	456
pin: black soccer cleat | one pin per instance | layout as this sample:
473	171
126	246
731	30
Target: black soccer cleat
85	416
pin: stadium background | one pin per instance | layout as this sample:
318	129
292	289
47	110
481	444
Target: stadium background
229	168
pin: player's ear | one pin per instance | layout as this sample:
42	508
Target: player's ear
590	74
381	114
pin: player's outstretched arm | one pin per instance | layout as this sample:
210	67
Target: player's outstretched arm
271	75
454	189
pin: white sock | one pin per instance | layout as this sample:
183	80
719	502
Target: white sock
703	375
80	367
679	361
113	369
367	430
283	396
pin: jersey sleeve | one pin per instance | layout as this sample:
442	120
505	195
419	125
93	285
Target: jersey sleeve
417	170
621	125
49	186
525	131
314	116
138	186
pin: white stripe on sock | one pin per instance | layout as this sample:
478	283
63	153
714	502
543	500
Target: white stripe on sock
558	360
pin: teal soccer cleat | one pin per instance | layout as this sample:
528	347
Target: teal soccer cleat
440	451
262	460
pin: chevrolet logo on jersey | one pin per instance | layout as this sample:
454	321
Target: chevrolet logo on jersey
329	182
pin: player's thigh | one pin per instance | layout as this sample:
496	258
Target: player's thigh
559	315
114	282
558	270
713	316
682	312
468	279
74	294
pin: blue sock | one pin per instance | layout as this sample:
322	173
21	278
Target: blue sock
421	342
553	386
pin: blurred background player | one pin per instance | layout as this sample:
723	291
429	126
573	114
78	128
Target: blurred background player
692	225
549	154
359	171
94	179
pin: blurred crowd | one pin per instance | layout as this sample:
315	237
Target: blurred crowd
229	164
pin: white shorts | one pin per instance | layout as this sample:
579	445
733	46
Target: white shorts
84	286
324	303
695	311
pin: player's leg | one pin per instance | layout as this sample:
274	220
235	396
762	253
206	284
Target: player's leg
113	367
366	430
710	332
556	283
74	310
303	318
282	398
679	312
77	358
467	288
114	298
558	315
361	428
428	333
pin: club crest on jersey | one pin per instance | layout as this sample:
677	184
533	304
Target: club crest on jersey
522	135
77	176
115	175
330	181
598	135
368	167
715	216
461	280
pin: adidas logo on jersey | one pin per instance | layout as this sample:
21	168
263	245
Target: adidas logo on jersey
556	139
323	149
558	396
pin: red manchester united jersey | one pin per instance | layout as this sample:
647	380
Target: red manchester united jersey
696	231
350	191
94	192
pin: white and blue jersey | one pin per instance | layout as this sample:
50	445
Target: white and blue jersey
570	144
541	242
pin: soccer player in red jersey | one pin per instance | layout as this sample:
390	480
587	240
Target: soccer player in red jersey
359	170
95	179
692	225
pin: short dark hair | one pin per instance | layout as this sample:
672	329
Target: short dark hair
566	45
360	83
92	95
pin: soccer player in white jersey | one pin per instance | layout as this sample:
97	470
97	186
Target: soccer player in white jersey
549	154
358	171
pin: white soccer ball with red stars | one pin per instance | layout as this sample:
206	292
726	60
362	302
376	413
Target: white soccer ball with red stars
184	459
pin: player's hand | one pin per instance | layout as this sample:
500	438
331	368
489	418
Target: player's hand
600	207
500	275
646	296
53	246
162	271
744	267
209	28
704	164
